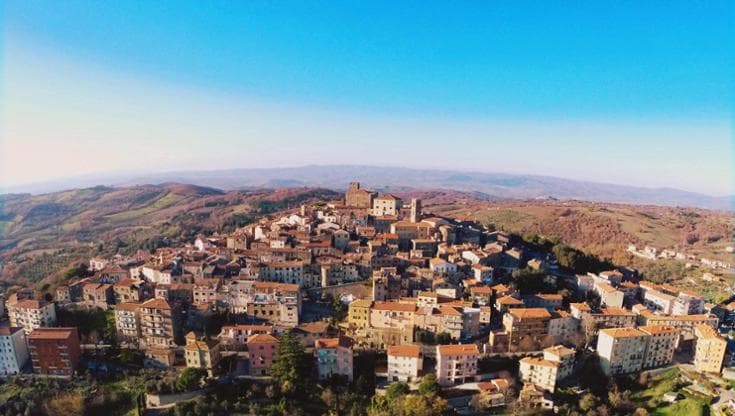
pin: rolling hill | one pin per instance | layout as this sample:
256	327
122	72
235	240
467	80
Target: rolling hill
495	185
42	234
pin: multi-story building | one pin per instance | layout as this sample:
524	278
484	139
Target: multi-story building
157	323
31	314
609	296
526	326
563	326
334	357
660	346
386	205
206	291
358	316
358	197
658	301
684	323
99	294
456	363
204	354
688	303
54	351
13	350
262	349
621	350
405	363
710	349
238	334
277	303
556	364
127	322
127	290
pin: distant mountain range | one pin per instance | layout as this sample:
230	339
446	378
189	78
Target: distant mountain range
386	179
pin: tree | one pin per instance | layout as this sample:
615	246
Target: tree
444	338
396	390
428	386
587	402
291	365
189	379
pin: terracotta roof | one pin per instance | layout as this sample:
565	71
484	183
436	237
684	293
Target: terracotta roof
539	361
394	306
127	306
332	343
405	351
156	303
526	313
313	327
559	350
706	332
459	349
362	303
447	310
30	304
266	328
615	311
580	306
623	332
52	333
9	330
509	300
658	329
261	339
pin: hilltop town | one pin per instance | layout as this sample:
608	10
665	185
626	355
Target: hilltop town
368	304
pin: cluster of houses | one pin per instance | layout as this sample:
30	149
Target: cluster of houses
440	297
652	253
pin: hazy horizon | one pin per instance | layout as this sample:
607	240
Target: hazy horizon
95	88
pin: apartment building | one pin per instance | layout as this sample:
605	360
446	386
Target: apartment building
13	350
621	350
556	364
127	290
609	296
157	323
660	346
405	363
238	334
710	348
386	205
31	314
204	354
684	323
99	294
688	303
658	301
526	327
358	315
456	363
127	322
277	303
262	349
54	351
334	357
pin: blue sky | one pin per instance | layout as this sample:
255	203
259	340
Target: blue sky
625	92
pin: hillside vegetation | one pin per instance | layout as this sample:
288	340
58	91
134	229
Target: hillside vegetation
42	235
607	229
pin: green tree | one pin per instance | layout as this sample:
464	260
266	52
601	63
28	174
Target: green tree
444	338
428	386
396	390
189	379
291	366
